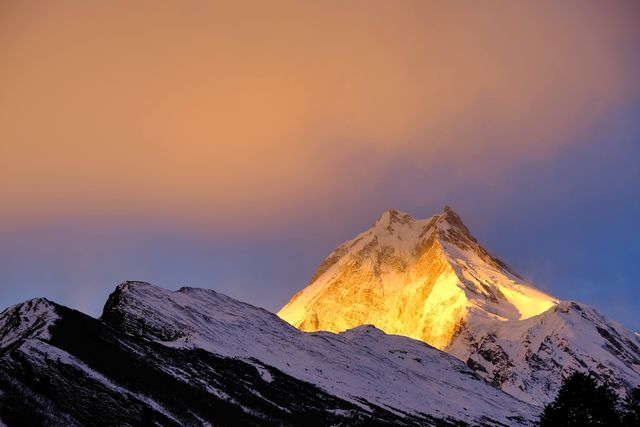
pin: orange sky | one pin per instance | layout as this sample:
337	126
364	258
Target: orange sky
212	112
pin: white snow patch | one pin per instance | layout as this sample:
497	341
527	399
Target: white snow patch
264	373
30	319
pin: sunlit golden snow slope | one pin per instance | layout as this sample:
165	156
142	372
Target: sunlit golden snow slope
418	278
431	280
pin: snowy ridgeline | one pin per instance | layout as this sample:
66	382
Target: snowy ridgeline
153	347
362	364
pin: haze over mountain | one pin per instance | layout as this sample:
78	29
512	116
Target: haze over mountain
431	280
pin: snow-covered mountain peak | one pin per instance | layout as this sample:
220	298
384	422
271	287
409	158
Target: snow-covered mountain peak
448	218
397	274
399	232
30	319
452	218
431	280
392	216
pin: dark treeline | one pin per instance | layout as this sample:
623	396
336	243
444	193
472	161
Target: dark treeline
582	402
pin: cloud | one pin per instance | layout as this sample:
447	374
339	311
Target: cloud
234	114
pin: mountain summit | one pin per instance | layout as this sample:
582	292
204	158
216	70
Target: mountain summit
415	277
431	280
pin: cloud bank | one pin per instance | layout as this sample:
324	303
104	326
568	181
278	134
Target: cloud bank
249	112
233	145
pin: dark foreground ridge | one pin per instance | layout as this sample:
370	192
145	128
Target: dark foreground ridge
61	367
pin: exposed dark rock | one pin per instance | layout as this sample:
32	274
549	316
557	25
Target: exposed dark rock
88	373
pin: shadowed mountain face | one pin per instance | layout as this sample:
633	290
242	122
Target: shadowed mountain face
85	373
431	280
197	357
